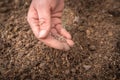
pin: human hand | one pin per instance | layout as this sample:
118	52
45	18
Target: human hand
44	17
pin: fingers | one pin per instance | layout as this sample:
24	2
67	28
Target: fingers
52	42
63	31
61	38
66	34
57	23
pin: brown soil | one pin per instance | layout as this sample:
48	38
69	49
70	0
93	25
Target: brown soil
95	27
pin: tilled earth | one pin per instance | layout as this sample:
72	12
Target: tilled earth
95	27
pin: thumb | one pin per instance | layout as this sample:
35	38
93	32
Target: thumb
44	20
44	27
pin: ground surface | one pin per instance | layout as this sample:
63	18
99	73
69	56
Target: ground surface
95	27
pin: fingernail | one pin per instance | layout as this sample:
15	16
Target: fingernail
66	47
42	33
70	43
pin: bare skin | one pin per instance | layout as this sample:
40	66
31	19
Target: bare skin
44	17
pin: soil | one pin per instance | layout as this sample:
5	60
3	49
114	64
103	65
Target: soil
95	27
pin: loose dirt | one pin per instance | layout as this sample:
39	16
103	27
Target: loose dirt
94	26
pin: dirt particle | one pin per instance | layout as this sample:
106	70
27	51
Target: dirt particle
94	32
81	28
110	33
73	70
4	9
58	37
88	32
87	67
42	64
92	47
115	13
67	71
1	4
76	19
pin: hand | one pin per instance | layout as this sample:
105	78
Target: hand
44	17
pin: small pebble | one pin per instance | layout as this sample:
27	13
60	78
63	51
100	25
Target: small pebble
81	28
114	13
4	9
118	45
87	67
92	47
76	19
88	32
17	3
110	33
73	69
42	64
1	4
67	71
